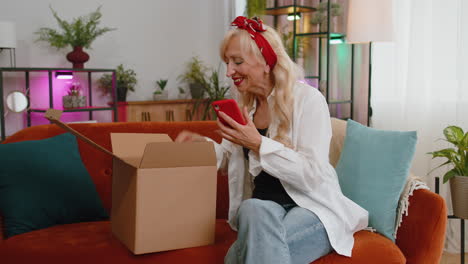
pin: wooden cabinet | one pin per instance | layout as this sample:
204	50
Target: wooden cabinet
167	110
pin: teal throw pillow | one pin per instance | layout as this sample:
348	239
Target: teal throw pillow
44	183
372	171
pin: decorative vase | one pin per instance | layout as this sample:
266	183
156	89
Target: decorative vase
459	192
78	57
73	101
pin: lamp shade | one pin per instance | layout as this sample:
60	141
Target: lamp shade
370	21
7	35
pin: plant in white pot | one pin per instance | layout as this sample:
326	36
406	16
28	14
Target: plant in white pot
182	92
161	93
457	156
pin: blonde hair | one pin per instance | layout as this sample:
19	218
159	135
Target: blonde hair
285	74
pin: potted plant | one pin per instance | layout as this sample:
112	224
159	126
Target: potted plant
125	81
182	92
215	91
457	157
195	77
320	17
160	94
78	34
74	98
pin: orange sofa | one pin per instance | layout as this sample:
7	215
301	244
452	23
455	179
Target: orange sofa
420	237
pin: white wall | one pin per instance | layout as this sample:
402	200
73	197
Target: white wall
155	38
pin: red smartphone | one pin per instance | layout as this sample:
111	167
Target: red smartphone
230	108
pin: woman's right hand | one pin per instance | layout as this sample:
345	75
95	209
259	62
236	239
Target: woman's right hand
188	136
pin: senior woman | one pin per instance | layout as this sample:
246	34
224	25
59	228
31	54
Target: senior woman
284	197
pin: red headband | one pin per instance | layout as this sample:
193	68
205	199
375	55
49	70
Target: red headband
254	27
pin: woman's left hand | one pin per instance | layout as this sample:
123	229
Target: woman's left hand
244	135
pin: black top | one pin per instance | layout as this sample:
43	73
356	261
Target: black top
268	187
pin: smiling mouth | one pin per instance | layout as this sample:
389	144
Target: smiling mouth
238	81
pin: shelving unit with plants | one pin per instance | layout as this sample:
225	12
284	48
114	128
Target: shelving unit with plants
43	91
309	29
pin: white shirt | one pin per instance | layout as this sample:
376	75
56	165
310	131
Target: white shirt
305	172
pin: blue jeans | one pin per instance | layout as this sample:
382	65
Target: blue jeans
271	233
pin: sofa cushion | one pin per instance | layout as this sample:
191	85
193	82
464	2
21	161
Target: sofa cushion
44	183
372	171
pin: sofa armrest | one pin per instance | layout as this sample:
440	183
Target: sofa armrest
422	232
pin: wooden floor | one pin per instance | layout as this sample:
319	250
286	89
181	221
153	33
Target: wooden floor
450	258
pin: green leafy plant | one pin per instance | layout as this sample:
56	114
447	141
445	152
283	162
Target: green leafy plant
215	91
195	72
125	81
456	156
162	85
195	76
321	17
81	32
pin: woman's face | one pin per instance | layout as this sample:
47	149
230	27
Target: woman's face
247	72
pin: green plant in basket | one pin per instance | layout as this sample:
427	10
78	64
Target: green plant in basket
457	156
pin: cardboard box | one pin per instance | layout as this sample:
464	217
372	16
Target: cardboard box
163	193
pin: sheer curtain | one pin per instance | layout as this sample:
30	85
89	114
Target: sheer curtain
420	82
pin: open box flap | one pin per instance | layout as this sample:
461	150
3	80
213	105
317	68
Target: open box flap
170	155
130	146
53	116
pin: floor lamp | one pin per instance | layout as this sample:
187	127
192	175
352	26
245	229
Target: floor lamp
8	40
369	21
